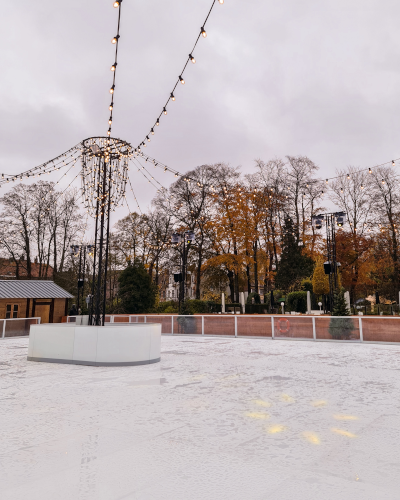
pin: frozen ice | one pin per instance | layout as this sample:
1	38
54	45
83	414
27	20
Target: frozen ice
218	418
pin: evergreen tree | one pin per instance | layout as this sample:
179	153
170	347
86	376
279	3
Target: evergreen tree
320	280
294	265
340	328
137	291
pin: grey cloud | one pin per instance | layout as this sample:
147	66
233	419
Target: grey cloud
272	78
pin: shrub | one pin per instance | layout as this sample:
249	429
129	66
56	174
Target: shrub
196	306
256	308
306	285
255	296
170	306
297	302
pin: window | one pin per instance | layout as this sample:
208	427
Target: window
11	311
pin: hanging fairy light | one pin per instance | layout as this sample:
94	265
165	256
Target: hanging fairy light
190	58
114	41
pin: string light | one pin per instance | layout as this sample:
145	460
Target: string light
190	58
114	41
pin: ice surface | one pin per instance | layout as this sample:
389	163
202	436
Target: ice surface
218	418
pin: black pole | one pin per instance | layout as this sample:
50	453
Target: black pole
91	312
98	311
184	268
79	275
107	246
83	273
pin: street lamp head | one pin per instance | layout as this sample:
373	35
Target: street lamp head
340	218
190	237
176	238
317	221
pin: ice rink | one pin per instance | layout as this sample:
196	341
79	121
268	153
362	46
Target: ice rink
218	418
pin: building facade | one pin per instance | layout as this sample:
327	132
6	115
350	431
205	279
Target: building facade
33	299
172	291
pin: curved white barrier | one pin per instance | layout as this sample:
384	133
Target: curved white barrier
111	345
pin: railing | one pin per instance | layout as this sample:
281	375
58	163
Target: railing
316	328
16	327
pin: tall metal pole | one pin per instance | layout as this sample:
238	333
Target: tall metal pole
184	267
92	302
79	275
331	254
99	317
107	246
83	273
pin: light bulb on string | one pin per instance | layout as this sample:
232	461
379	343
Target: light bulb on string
203	32
112	89
165	111
182	80
158	122
393	163
117	3
172	96
115	39
369	171
113	67
192	59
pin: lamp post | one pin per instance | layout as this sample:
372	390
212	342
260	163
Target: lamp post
186	239
331	265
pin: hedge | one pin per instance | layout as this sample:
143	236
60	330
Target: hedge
296	302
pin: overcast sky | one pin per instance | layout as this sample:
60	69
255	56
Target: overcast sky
272	78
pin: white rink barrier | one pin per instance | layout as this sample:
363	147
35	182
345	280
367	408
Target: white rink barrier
278	327
110	345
